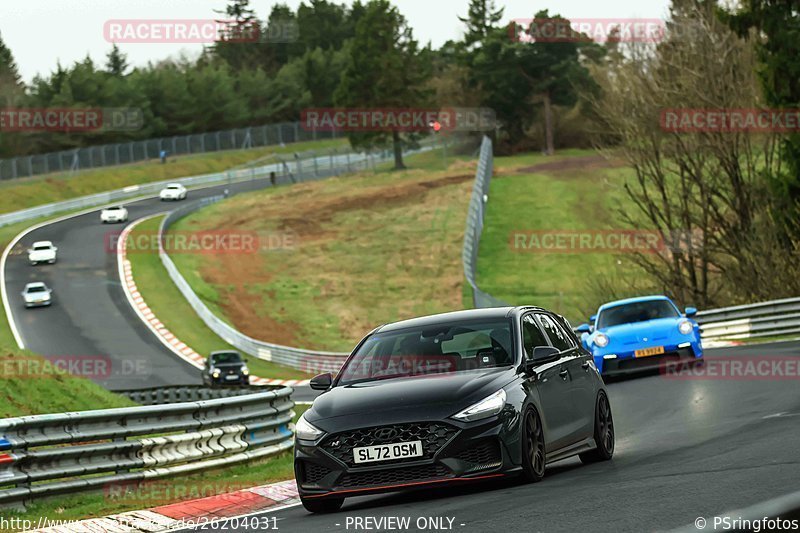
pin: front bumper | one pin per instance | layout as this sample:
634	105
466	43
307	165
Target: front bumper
452	453
44	303
627	363
222	381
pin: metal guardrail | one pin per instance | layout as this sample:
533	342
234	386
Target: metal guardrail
310	361
51	454
189	393
474	229
766	319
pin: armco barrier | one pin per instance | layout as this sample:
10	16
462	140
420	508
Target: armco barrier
474	229
766	319
188	393
44	455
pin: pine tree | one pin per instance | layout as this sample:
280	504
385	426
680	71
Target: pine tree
116	62
482	16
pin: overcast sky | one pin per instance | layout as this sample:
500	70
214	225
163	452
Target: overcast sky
42	32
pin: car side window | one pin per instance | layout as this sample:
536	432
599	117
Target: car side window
557	336
532	336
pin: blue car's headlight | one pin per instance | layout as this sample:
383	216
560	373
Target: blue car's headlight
685	327
601	340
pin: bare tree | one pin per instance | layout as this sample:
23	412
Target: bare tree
704	191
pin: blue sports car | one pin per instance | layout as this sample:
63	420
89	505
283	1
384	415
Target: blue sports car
641	333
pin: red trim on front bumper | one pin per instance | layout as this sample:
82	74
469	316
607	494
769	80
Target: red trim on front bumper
401	485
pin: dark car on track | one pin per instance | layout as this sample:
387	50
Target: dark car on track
452	398
225	367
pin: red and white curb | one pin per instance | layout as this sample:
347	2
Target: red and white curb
220	510
156	326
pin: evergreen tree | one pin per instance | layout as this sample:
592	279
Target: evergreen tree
116	62
482	17
386	70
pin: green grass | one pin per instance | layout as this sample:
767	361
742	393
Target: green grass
570	199
169	305
371	248
28	192
163	491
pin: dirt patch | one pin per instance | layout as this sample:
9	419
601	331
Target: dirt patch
571	163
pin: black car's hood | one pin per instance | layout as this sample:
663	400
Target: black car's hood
421	397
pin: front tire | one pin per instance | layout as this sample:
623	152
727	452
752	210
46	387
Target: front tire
324	505
603	433
533	451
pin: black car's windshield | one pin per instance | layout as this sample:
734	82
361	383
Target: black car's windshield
226	358
436	349
636	312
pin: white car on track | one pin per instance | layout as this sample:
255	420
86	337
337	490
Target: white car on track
42	252
116	213
37	294
173	191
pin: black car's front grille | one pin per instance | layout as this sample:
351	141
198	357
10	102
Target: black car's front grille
393	476
313	472
486	451
434	435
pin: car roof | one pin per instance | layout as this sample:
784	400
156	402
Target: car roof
652	298
42	243
218	352
35	284
456	316
174	185
120	206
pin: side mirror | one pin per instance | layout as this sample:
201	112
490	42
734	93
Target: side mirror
55	248
584	328
205	363
321	382
542	355
691	311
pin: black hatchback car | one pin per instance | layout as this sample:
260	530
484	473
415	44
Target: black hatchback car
452	398
225	367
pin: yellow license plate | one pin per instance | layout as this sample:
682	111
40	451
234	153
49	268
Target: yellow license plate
647	352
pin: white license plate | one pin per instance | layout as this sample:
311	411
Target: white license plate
231	377
388	452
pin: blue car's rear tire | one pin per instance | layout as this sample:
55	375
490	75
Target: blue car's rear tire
603	432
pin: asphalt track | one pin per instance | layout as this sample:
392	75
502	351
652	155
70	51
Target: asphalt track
685	449
90	320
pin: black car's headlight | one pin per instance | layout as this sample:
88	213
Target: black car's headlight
305	431
485	408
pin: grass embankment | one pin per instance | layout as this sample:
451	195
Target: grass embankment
171	308
345	255
28	192
577	192
383	246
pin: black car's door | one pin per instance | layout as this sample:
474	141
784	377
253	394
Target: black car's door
552	387
581	384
